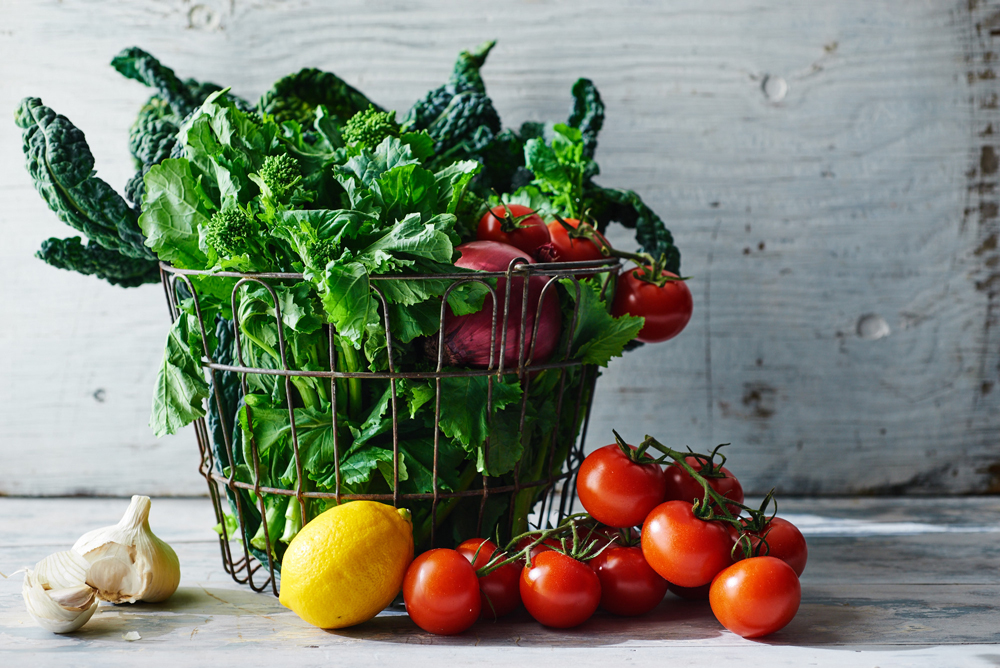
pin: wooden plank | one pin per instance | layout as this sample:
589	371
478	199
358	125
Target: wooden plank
856	608
809	213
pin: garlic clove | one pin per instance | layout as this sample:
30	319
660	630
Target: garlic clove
78	598
128	563
56	594
114	575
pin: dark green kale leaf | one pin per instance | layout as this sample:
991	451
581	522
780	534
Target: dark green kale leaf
154	132
458	116
136	64
608	205
62	168
225	391
503	165
464	77
587	114
296	97
96	260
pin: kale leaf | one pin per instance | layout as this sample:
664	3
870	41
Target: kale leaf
458	116
136	64
607	205
587	114
94	259
297	96
62	168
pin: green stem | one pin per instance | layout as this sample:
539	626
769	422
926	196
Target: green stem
445	507
705	511
352	364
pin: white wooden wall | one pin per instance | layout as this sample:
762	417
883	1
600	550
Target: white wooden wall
826	169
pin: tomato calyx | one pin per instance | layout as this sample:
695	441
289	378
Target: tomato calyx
751	530
569	543
709	469
510	223
755	528
637	455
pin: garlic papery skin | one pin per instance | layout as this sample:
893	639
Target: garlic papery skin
127	562
56	594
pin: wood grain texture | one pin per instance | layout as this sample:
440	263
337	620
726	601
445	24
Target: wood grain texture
927	613
826	170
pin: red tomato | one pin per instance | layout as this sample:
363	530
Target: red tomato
570	249
682	548
531	232
559	591
629	587
787	543
691	593
500	590
441	592
617	491
756	596
667	310
682	487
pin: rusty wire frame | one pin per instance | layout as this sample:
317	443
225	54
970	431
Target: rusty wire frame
243	568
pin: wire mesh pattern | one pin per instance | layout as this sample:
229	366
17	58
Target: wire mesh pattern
555	490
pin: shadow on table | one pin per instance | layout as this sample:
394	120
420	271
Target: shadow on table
674	619
187	610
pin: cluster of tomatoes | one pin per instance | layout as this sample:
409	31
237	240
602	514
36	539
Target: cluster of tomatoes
665	304
696	538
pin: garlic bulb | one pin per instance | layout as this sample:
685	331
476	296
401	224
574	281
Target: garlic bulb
56	593
127	562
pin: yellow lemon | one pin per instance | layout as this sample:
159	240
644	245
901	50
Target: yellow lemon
346	565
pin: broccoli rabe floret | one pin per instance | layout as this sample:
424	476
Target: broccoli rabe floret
321	252
280	173
233	232
369	127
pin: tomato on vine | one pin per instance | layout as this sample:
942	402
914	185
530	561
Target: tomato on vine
785	542
665	304
619	484
629	587
559	591
515	225
755	597
499	590
441	592
680	486
571	248
683	548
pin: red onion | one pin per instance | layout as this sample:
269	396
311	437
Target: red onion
467	337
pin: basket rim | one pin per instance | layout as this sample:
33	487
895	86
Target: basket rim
517	266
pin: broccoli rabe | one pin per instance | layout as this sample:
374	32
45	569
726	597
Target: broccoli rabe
321	252
280	173
233	232
368	128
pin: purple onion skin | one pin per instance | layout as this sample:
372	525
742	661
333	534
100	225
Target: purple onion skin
467	337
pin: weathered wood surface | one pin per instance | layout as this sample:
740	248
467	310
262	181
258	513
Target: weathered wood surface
828	170
880	589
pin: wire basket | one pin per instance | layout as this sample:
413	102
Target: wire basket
246	499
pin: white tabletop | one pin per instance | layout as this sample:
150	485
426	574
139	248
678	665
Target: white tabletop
890	582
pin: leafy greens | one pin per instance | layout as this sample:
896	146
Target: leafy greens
318	182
